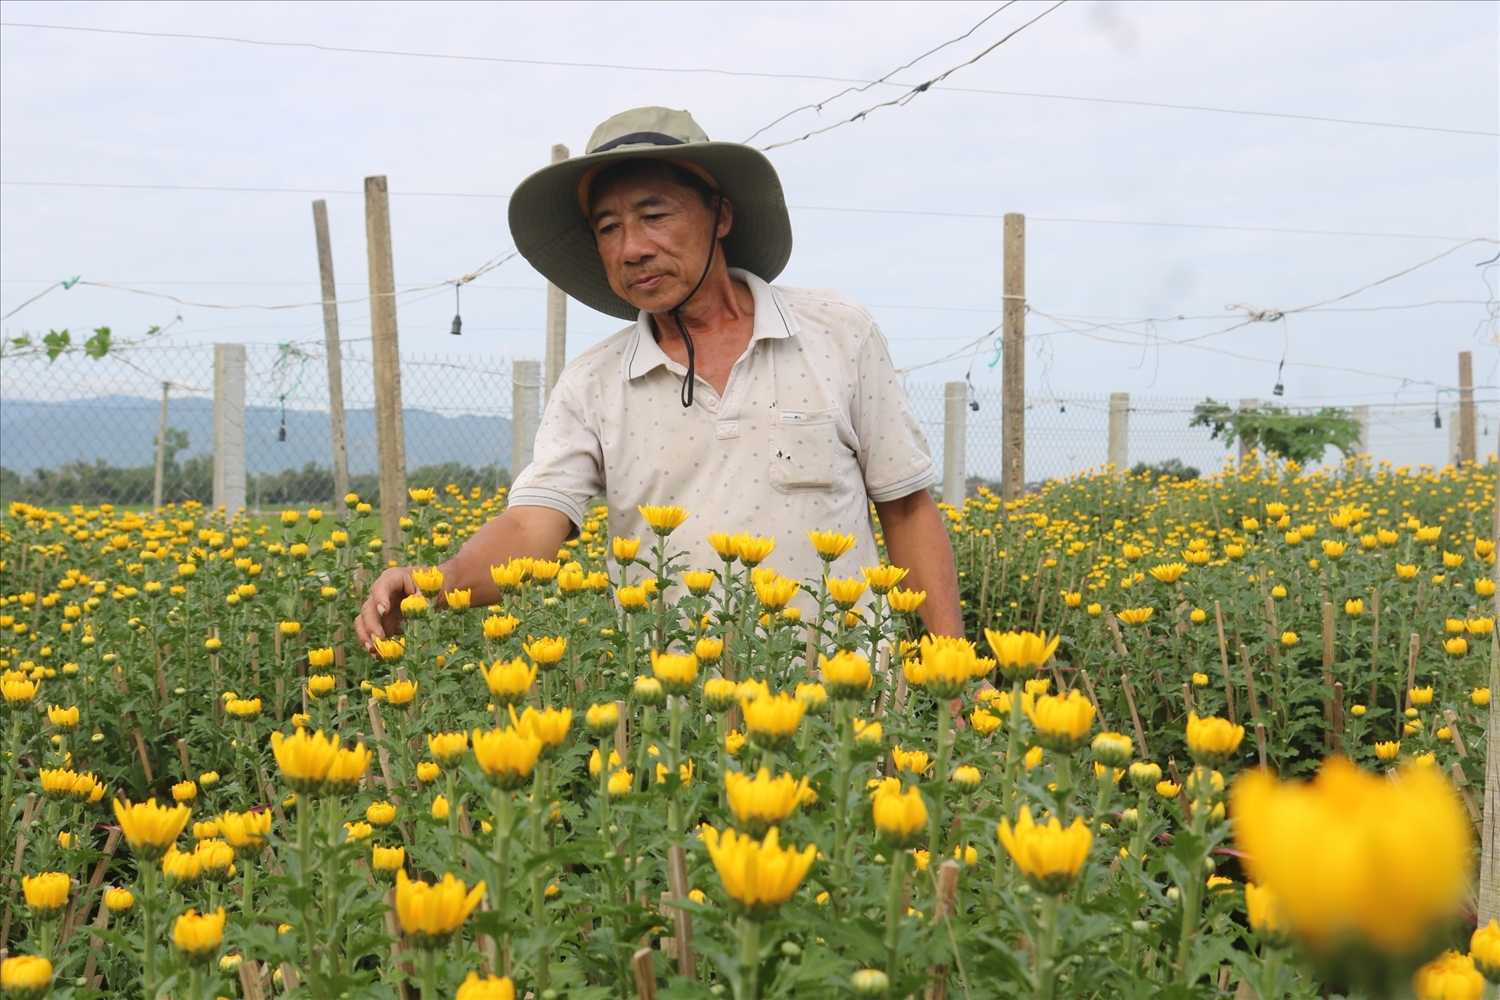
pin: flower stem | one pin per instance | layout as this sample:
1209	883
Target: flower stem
1192	892
747	983
841	802
429	974
940	783
148	914
12	755
502	861
893	915
1046	947
1012	749
538	876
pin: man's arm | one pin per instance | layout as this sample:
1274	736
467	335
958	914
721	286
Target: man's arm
537	532
917	538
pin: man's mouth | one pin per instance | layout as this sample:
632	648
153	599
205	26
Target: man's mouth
649	282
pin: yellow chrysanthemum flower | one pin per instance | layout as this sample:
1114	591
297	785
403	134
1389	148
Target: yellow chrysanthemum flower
1049	856
430	913
758	875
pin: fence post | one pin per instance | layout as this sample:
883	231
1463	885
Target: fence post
1013	372
161	447
955	442
1466	437
557	314
390	433
526	385
229	428
335	356
1119	431
1246	403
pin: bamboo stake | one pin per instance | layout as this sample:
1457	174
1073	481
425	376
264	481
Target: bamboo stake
1135	716
683	921
642	965
1230	708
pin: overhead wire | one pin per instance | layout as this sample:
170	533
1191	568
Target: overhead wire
719	71
804	208
818	106
920	88
487	266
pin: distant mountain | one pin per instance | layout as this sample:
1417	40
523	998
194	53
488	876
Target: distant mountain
121	430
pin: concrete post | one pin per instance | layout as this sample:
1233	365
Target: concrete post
1362	416
1455	439
525	412
557	313
955	442
1013	369
1246	403
161	447
229	428
1119	431
1467	443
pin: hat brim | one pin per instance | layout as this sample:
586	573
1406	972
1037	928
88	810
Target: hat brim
551	232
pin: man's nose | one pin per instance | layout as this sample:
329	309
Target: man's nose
636	247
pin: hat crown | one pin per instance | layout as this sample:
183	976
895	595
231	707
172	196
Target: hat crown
645	127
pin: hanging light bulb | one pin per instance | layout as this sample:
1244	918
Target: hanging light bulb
458	321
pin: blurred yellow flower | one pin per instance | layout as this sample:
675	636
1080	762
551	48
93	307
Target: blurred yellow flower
430	913
1355	857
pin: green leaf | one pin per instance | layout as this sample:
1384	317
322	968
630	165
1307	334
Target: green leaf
97	346
57	342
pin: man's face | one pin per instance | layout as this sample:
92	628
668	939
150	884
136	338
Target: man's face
653	236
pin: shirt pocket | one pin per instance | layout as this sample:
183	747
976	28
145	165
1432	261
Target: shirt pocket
802	449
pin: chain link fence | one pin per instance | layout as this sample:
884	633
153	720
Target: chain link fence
81	430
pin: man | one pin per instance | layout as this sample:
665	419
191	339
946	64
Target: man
763	409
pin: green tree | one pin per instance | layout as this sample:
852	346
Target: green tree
1300	437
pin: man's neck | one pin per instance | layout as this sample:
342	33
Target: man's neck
723	304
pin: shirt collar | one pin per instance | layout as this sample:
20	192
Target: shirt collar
773	321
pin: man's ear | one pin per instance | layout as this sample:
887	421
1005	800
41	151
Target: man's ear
726	216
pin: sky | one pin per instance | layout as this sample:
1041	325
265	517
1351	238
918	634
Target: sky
1147	226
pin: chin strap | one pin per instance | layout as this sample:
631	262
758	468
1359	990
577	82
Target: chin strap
676	312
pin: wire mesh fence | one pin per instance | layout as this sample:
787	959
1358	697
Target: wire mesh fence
81	430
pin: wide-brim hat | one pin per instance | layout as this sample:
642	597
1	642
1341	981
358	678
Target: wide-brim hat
548	209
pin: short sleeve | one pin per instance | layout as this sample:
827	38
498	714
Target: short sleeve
565	470
893	451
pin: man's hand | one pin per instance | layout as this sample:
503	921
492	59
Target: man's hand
917	538
537	532
380	618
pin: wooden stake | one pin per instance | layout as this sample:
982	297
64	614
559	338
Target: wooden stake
377	728
642	964
1088	686
385	351
1230	708
1135	716
332	350
1114	627
682	920
1458	739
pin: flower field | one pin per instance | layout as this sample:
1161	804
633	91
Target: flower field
1223	737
